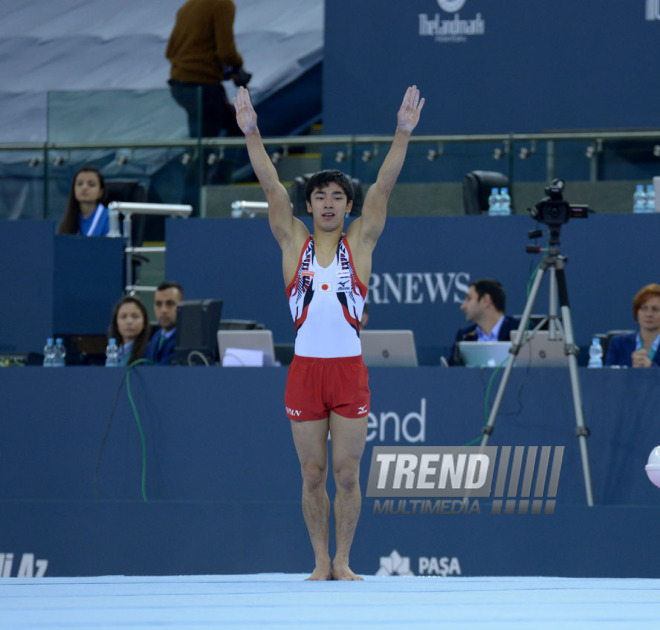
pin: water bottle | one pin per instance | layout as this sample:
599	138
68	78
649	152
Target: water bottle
639	199
595	354
49	353
505	202
60	353
494	202
112	353
650	198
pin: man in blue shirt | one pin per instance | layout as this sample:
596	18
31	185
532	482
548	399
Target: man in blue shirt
162	344
484	307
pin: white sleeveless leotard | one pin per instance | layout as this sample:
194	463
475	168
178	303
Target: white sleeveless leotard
326	304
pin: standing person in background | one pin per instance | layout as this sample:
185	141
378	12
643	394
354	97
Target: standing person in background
85	214
130	328
161	346
327	391
202	54
640	349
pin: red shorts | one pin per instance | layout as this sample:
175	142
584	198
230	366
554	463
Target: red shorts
316	386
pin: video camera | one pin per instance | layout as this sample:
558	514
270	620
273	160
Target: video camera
553	210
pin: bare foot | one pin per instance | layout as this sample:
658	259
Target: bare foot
343	572
320	573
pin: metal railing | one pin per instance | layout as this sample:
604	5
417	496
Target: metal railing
595	141
514	151
128	209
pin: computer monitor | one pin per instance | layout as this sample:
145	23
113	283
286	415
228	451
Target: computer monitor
196	326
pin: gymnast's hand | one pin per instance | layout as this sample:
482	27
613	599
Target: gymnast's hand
410	109
246	117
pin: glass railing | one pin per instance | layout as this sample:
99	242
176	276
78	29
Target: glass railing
144	137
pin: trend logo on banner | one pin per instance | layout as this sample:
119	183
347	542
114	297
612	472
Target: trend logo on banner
652	10
455	30
457	474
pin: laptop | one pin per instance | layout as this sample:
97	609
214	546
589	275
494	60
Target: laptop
388	348
484	353
540	351
246	347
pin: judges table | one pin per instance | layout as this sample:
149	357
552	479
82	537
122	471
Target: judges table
160	470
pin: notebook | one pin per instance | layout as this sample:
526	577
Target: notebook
540	351
231	340
393	348
484	353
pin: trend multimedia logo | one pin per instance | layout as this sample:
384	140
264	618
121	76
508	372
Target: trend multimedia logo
526	479
652	10
452	30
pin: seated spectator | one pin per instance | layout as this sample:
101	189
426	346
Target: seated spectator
639	349
130	327
484	307
85	214
166	299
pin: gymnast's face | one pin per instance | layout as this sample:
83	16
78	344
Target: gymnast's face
328	206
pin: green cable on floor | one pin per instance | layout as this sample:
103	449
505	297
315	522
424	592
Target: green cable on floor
139	423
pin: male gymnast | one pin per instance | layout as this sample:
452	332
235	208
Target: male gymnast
325	275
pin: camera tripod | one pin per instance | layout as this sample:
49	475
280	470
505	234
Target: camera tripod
554	262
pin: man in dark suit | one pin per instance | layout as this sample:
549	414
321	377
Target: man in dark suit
484	307
160	349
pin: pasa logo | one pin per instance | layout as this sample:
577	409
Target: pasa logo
394	564
451	6
443	566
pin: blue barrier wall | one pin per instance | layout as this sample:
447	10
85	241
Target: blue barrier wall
26	284
487	66
222	477
54	284
422	268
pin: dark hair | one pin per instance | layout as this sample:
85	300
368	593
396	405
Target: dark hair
324	178
649	291
70	223
141	341
170	284
493	288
